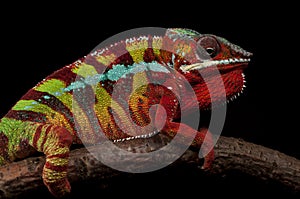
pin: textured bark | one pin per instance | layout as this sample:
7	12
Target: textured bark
230	154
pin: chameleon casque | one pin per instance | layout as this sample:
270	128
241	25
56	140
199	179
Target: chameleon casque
43	119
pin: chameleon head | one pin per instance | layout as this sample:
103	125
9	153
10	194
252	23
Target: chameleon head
215	54
217	51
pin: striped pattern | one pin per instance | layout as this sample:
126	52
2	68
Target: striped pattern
68	105
111	90
52	100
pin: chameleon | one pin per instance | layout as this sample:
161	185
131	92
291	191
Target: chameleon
43	120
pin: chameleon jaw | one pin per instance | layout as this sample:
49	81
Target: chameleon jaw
209	63
136	137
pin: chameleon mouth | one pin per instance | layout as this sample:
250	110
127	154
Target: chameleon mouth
223	65
137	137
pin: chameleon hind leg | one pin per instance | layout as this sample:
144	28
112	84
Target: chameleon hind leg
54	142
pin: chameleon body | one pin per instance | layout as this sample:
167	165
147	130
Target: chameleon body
44	118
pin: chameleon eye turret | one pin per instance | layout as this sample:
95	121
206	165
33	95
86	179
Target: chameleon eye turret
210	45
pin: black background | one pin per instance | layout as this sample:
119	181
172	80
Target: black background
36	41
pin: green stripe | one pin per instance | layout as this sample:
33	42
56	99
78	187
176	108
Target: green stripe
56	87
85	70
16	130
52	116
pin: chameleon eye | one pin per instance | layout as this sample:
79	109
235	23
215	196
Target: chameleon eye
210	51
210	45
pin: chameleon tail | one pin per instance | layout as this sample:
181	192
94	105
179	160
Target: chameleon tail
54	141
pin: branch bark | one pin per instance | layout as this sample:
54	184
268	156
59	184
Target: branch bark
230	154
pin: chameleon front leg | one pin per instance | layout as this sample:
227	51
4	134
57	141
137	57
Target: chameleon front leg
54	142
171	128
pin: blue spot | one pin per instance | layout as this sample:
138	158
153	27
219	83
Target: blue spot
116	72
137	68
75	85
27	107
95	79
46	97
57	93
156	67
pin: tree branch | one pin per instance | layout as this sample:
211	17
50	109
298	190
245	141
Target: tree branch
230	154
